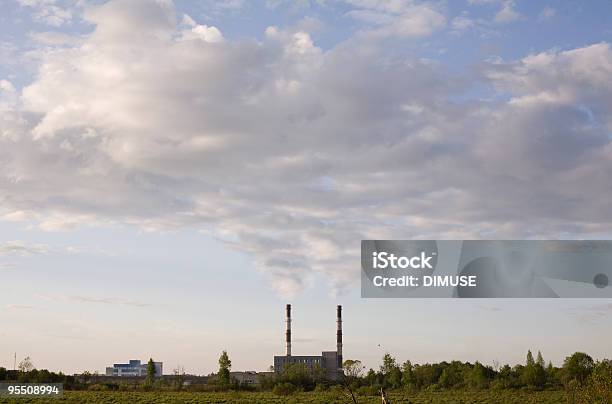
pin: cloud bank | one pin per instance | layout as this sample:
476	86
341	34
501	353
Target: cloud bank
292	153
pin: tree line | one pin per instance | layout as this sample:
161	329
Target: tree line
576	371
579	375
26	372
583	378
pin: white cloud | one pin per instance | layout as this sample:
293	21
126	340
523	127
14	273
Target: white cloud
462	22
95	300
295	5
227	4
203	32
16	247
507	13
19	307
49	11
291	153
397	18
547	13
53	38
481	2
7	86
105	300
7	266
24	249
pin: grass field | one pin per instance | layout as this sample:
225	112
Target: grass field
448	397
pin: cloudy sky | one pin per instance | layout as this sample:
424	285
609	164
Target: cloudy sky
173	172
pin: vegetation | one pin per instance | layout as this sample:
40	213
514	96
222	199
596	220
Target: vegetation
579	380
150	374
25	365
225	364
179	378
39	376
325	397
353	369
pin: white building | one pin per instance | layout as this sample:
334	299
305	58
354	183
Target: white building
133	368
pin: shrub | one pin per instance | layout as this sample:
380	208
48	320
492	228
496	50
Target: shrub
497	385
368	391
98	387
320	387
284	389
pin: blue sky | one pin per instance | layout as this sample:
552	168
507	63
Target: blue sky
174	172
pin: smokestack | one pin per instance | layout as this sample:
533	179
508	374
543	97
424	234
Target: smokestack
288	332
339	336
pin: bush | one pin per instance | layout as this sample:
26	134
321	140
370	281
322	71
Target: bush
598	389
320	387
368	391
497	385
98	387
433	387
284	389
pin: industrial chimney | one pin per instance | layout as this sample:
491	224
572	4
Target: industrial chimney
288	332
339	335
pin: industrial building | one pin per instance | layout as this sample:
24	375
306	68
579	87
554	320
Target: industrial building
330	362
246	378
133	368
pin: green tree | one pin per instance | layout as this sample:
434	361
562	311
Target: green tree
371	377
388	364
530	361
318	373
540	359
598	389
298	375
529	375
507	377
427	374
478	377
550	373
353	368
451	375
150	370
540	371
408	379
578	367
391	372
393	379
225	364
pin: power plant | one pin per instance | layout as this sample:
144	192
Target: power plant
329	362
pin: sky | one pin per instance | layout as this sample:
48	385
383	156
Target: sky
173	173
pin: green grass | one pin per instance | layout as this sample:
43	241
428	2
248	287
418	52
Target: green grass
447	397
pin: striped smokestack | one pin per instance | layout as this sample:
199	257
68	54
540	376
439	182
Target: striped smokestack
288	332
339	335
